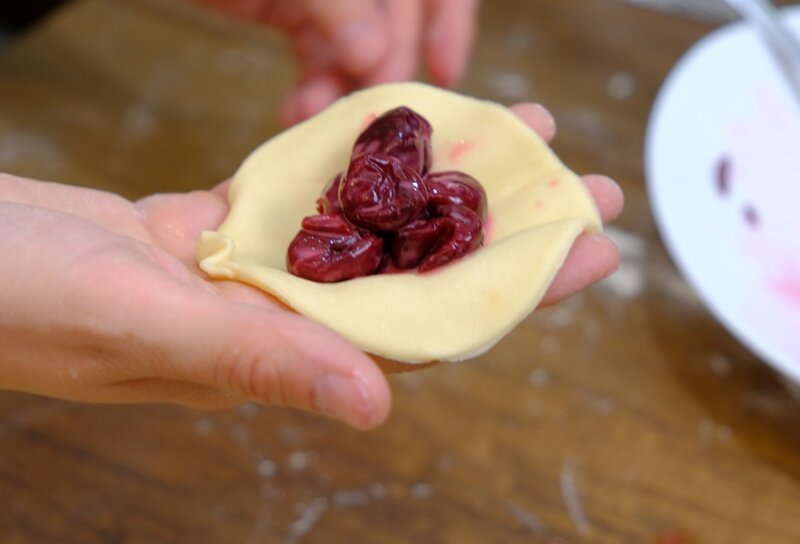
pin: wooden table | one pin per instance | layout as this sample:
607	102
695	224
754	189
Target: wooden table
624	415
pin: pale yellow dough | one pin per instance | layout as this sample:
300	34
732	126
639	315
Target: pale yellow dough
538	207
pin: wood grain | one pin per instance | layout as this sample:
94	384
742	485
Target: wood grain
626	415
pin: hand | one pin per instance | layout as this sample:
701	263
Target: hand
343	45
102	302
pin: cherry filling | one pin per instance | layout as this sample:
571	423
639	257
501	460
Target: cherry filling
456	188
328	202
451	232
387	206
414	241
401	133
380	193
461	233
329	249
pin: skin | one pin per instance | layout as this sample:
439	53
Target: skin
103	302
344	45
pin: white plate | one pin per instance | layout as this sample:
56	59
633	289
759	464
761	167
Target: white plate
735	234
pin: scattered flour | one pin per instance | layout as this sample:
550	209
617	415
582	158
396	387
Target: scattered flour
299	461
570	494
720	365
628	282
621	86
539	377
709	433
267	468
377	491
422	490
203	426
308	518
549	345
525	518
348	498
510	85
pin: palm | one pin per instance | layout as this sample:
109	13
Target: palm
172	224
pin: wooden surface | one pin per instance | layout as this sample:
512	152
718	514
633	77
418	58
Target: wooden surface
624	415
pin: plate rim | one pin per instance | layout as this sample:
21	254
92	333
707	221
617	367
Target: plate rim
742	333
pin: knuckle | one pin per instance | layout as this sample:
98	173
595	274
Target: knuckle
261	371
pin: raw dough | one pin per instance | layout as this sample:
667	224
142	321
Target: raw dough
537	208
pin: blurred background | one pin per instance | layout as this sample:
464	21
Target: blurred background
626	414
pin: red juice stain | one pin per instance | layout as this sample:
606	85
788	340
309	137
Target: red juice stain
722	175
539	205
553	183
787	287
751	217
460	149
488	229
368	120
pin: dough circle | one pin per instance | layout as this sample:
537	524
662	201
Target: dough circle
537	208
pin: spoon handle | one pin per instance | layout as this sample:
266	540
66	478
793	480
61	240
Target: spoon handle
762	16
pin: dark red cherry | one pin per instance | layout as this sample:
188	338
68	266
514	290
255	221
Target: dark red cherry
456	188
414	241
328	202
401	133
461	232
450	233
329	249
380	193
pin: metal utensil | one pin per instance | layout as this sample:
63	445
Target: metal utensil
764	18
713	11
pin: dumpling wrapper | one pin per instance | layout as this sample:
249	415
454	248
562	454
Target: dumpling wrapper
537	208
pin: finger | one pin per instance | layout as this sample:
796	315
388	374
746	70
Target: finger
287	15
538	118
313	52
245	9
157	390
176	220
221	189
113	211
312	96
607	195
449	38
592	258
274	357
403	20
354	30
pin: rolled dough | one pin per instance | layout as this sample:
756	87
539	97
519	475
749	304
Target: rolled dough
537	208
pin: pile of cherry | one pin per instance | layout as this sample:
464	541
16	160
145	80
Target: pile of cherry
388	212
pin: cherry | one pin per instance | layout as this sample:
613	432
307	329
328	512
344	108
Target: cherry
329	249
414	241
400	133
456	188
387	212
328	202
462	234
450	233
380	193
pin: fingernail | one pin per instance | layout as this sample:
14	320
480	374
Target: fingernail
359	45
345	398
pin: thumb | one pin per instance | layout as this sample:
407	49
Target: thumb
355	30
450	37
275	357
